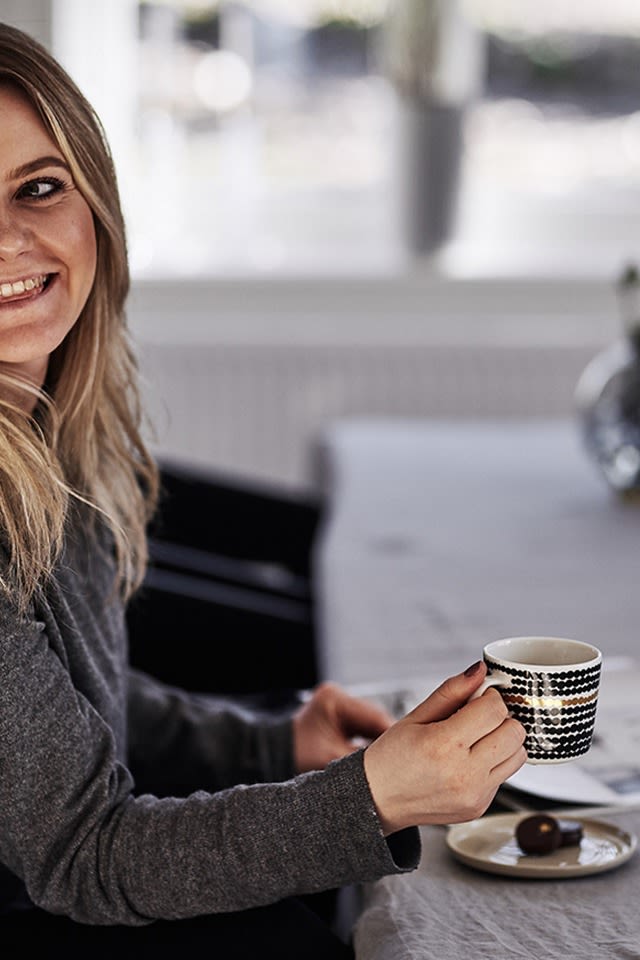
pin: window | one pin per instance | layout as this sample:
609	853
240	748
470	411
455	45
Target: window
255	137
261	137
551	179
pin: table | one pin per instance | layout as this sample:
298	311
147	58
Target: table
443	535
448	911
439	537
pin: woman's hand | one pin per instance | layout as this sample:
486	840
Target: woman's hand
445	760
332	724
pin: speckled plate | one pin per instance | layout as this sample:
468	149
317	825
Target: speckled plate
489	844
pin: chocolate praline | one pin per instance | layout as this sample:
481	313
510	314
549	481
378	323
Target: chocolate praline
538	834
541	833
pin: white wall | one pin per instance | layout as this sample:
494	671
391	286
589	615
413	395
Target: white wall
246	374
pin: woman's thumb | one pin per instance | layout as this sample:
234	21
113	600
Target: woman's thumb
452	694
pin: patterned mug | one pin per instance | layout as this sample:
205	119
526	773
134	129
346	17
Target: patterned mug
550	684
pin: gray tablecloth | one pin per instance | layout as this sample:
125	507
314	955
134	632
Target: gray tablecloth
448	911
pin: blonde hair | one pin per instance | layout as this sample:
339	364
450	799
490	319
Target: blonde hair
84	440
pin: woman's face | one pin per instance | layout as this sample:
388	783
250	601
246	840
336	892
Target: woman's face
47	241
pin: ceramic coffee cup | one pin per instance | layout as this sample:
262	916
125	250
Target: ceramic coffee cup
550	684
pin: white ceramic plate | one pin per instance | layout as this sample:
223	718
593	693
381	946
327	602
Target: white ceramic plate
489	844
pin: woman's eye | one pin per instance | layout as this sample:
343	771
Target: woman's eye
40	189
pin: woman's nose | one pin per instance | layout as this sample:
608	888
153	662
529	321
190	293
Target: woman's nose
15	236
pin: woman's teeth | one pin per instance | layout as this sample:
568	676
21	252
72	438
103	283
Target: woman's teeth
21	286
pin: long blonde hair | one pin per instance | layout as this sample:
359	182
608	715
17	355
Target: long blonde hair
84	440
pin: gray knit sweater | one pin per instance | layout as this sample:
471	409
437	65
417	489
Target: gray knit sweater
123	800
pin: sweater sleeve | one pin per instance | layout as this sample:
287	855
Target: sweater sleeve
87	845
181	741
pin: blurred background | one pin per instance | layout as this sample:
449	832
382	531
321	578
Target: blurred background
355	207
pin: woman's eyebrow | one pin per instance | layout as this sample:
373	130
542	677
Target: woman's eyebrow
34	165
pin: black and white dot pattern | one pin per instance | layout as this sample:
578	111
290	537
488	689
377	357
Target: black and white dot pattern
556	708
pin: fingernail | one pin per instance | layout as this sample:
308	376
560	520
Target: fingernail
469	672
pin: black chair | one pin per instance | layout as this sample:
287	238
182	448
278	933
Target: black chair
227	605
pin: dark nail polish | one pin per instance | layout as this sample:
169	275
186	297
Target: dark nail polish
469	672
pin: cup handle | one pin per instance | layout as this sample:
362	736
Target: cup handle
492	680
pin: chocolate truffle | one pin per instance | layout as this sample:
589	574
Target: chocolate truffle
541	833
538	834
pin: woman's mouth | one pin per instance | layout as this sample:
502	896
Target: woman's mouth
24	289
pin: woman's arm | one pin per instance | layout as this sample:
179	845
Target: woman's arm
75	828
181	741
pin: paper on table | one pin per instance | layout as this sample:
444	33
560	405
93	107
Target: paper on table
568	783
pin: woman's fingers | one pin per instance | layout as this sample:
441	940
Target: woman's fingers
482	726
332	723
361	718
482	716
508	767
504	742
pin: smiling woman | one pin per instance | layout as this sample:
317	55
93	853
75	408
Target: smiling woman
65	359
47	242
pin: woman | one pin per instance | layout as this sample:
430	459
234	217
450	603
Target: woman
98	847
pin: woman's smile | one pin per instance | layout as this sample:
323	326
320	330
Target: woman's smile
20	290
